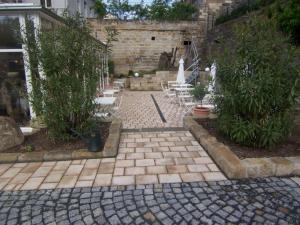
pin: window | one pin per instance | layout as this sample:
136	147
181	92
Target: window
153	38
187	42
46	3
10	37
13	94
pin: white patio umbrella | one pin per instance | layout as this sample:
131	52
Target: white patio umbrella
180	75
213	71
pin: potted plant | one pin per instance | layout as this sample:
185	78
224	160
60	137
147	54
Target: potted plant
91	135
199	92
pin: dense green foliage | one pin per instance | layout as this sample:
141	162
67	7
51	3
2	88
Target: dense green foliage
70	60
158	10
287	15
182	11
243	9
100	8
258	85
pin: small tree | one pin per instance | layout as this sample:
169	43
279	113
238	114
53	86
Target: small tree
182	11
159	10
258	80
100	8
199	92
71	64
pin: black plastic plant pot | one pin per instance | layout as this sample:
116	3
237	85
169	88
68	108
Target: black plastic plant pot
94	142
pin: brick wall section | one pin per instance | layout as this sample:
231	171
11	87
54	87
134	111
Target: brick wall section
135	50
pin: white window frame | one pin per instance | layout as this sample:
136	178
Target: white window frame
36	21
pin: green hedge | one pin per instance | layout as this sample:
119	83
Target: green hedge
258	85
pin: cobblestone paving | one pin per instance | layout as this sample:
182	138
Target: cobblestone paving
138	110
267	201
144	158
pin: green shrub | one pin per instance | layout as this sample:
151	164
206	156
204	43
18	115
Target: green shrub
182	11
70	61
287	16
257	82
243	9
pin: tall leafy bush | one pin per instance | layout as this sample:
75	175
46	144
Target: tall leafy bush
71	65
258	78
287	15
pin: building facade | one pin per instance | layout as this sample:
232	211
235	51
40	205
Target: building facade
84	7
15	74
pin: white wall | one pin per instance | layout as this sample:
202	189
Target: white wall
84	7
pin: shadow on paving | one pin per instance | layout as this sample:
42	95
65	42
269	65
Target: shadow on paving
261	201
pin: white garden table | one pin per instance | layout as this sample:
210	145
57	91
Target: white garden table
183	89
120	83
181	85
112	90
108	93
105	100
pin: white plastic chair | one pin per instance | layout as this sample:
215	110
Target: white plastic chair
188	104
183	94
168	93
170	83
116	107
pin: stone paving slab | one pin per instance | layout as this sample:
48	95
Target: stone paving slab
138	110
264	201
143	158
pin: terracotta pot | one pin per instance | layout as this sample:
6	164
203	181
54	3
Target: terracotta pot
202	112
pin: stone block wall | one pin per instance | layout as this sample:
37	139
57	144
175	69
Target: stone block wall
140	43
152	82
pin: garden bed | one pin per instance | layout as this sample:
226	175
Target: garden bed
39	142
235	167
285	149
61	151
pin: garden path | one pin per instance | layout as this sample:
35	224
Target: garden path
143	158
138	110
159	177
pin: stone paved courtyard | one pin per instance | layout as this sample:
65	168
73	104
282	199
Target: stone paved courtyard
144	158
138	110
265	201
162	176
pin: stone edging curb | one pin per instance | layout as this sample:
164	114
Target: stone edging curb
235	168
110	150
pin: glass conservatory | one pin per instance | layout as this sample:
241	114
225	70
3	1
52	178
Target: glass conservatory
15	77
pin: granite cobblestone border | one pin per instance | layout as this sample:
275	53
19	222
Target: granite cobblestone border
236	168
110	150
252	201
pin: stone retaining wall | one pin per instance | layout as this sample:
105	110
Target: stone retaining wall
236	168
140	43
